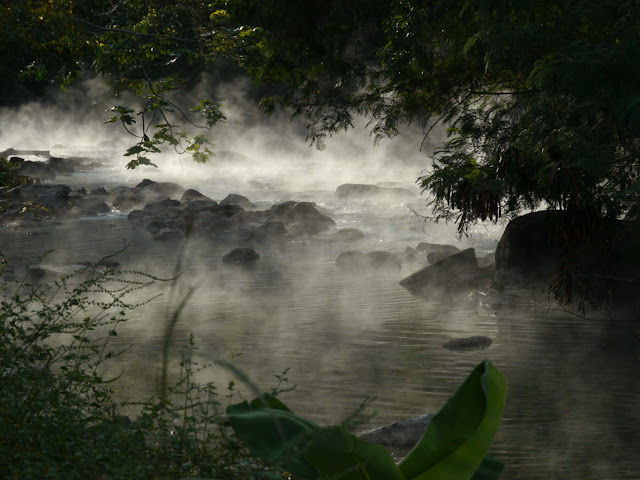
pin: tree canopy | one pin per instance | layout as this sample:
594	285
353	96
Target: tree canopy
541	99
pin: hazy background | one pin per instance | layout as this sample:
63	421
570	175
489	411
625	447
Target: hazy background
572	407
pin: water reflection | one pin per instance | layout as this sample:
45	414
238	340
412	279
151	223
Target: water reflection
572	407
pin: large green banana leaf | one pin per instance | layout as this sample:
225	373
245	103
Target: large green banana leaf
453	447
457	438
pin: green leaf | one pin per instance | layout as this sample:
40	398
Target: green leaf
336	454
490	469
273	434
457	438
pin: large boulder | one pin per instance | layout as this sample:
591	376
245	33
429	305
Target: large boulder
235	199
599	264
49	196
455	274
271	233
89	206
192	195
170	189
301	218
38	170
126	199
207	223
527	251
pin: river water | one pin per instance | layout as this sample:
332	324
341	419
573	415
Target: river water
573	403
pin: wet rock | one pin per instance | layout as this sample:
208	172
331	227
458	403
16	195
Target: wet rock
301	218
410	255
358	190
37	170
435	257
358	261
438	248
72	164
235	199
125	198
229	210
136	215
98	191
207	223
169	234
159	206
12	151
486	260
455	274
170	189
144	183
476	342
90	206
49	196
196	206
192	195
399	437
268	234
241	256
603	269
527	251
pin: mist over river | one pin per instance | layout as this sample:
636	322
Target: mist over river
573	401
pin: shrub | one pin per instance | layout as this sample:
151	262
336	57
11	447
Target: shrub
59	417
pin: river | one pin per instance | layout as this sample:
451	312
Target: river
573	402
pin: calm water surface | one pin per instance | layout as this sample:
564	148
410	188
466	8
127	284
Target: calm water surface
573	405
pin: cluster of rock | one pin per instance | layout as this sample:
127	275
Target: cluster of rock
33	203
233	220
37	171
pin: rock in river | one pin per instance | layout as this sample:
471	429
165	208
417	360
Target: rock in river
458	273
477	342
399	437
241	256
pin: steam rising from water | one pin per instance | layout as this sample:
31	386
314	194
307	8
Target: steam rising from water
344	336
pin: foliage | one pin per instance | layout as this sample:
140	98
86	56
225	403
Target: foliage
541	99
59	417
151	49
9	176
453	446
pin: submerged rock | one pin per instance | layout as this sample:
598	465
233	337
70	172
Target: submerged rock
399	437
476	342
241	256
